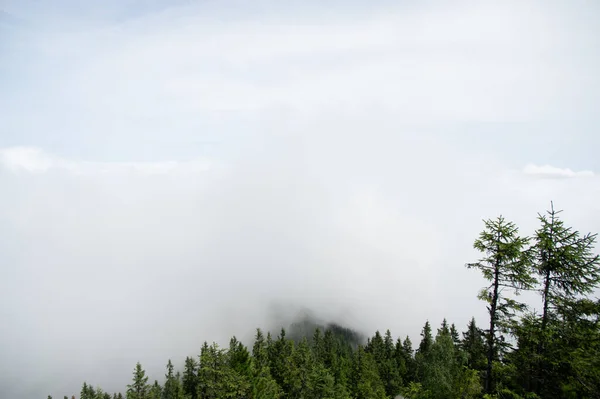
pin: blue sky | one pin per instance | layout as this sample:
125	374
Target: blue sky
335	155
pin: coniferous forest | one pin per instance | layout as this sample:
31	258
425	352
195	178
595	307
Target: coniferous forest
515	353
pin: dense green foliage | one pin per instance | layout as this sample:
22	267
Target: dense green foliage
521	354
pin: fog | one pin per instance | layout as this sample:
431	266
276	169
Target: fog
170	176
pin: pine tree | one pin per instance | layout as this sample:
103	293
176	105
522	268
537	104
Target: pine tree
318	346
259	350
506	264
454	335
139	388
426	340
439	370
263	386
280	360
190	377
382	350
565	263
156	391
172	386
409	360
365	380
568	270
444	328
297	376
473	345
238	357
424	350
84	394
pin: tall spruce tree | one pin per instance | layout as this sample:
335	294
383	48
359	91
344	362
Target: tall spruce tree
423	351
568	270
409	360
506	265
365	382
565	262
172	387
139	388
473	344
190	377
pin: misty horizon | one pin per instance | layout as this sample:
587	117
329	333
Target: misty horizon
180	172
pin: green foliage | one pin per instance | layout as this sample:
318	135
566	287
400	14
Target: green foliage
552	355
216	379
473	345
172	387
139	389
564	261
415	390
506	264
365	380
443	374
190	377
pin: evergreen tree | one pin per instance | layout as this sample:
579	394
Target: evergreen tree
172	388
382	350
473	345
443	373
408	356
318	346
365	381
454	335
444	329
190	377
216	379
85	394
426	340
424	350
259	350
506	264
296	377
565	262
139	388
568	270
263	384
155	391
238	357
281	360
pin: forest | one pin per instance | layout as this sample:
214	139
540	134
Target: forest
514	353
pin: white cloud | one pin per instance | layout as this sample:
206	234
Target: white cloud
551	172
35	160
340	179
25	158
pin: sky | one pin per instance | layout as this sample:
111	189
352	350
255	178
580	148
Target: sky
175	172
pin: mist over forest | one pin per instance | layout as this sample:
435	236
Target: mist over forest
180	172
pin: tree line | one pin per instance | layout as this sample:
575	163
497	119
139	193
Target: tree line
519	354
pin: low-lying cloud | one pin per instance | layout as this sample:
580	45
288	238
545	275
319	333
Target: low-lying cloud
106	271
169	176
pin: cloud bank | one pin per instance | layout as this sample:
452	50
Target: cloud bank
181	174
106	271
